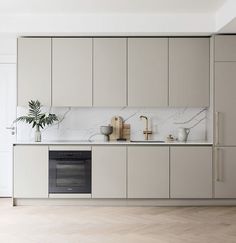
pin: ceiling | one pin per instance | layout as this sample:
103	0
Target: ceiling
109	6
116	17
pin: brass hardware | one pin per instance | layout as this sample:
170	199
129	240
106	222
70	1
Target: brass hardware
217	164
217	127
146	132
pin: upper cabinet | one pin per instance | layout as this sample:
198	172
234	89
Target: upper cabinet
189	77
148	72
72	72
115	72
34	71
109	72
225	48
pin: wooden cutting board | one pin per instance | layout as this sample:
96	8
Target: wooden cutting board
117	124
126	131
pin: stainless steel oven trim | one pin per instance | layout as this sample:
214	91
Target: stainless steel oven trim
69	148
53	189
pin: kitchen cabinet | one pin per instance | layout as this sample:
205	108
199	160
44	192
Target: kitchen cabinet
225	167
109	172
34	71
72	72
30	171
148	72
191	172
189	79
109	72
148	172
225	48
225	101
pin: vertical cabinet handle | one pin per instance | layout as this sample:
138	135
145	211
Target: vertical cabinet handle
217	157
217	128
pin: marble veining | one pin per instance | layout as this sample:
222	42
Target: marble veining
84	123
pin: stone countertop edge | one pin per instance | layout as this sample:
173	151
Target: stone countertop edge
202	143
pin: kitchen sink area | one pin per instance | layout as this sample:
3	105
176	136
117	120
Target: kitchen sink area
147	141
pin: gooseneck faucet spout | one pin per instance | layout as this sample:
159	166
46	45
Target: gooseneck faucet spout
146	132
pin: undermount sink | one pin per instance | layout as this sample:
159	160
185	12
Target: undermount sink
147	141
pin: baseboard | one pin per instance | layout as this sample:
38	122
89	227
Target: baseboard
123	202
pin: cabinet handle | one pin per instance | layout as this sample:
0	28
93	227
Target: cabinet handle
218	164
217	127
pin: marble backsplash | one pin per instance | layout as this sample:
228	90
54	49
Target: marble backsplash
84	123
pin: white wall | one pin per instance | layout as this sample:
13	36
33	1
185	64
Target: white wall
8	49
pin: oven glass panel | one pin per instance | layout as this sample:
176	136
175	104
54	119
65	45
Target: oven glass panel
70	172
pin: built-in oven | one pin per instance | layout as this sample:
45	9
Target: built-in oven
70	171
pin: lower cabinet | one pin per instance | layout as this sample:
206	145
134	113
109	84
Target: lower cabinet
109	172
30	171
225	172
148	172
191	172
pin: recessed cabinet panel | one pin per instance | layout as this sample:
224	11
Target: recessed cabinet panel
34	71
189	80
191	172
225	48
109	172
148	172
225	167
148	72
225	103
109	72
72	72
30	171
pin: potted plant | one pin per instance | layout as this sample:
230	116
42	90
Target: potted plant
37	118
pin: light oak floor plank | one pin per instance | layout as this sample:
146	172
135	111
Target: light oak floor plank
75	224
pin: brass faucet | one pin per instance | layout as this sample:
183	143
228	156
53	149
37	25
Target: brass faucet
146	132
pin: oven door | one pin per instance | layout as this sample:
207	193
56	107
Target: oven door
69	171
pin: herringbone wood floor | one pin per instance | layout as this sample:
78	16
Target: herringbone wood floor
74	224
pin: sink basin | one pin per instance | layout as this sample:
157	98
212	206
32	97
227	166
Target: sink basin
147	141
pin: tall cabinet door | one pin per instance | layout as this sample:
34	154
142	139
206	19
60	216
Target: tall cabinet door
109	72
225	167
148	72
225	103
109	172
189	77
72	72
225	48
148	172
34	71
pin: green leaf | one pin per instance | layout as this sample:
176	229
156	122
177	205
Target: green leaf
36	117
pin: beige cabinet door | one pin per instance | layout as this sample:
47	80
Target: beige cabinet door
34	71
109	172
148	172
225	103
225	167
191	172
109	72
189	79
72	72
148	72
30	171
225	48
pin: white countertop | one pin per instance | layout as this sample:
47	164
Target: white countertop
86	142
